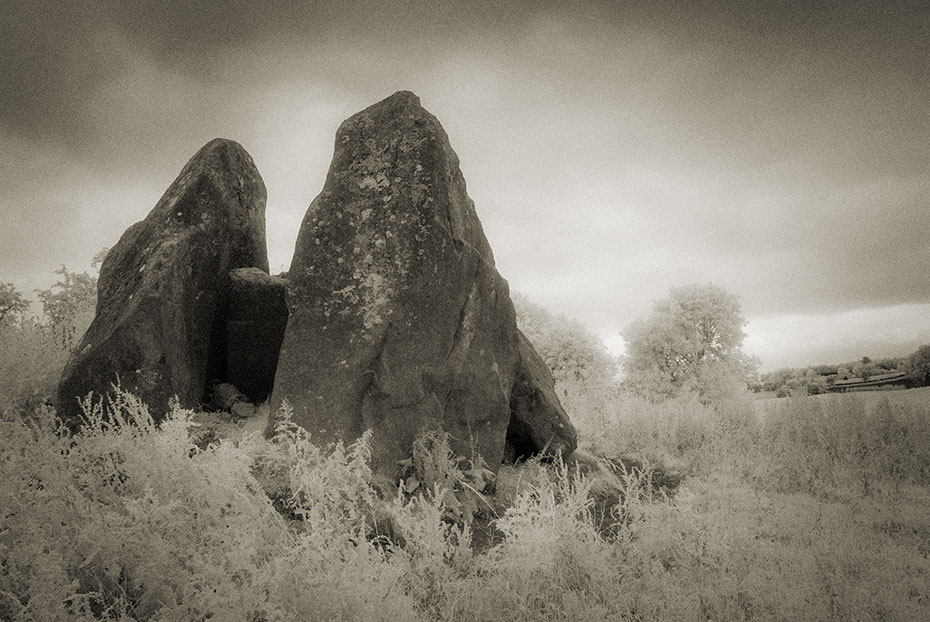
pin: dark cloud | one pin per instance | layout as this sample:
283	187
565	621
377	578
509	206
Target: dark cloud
56	55
49	66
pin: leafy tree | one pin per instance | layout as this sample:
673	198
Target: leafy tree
97	260
12	304
890	364
585	373
69	297
813	383
69	305
918	367
571	351
73	296
690	343
865	370
33	353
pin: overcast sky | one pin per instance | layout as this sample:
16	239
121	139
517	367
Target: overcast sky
613	149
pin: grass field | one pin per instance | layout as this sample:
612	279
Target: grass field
917	397
904	397
816	511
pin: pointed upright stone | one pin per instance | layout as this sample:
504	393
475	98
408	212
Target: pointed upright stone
399	321
160	325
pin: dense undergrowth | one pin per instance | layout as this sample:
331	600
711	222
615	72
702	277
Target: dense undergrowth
813	510
810	508
32	356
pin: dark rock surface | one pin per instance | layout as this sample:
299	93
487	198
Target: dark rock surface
222	396
254	330
538	423
399	321
163	288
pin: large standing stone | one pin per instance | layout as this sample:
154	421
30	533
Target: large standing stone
399	321
162	293
255	327
538	423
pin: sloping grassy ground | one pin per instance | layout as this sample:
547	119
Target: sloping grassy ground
910	397
815	511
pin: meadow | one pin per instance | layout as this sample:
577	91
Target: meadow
807	508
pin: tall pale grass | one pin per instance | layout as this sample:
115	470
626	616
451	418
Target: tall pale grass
32	357
812	509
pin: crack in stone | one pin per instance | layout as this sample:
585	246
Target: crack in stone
463	332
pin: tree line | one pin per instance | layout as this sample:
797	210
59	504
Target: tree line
34	348
816	379
691	345
63	304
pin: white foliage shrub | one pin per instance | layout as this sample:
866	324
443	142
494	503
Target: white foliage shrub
813	508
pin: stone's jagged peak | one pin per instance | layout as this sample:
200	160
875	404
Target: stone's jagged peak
223	156
397	148
398	112
407	98
220	143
